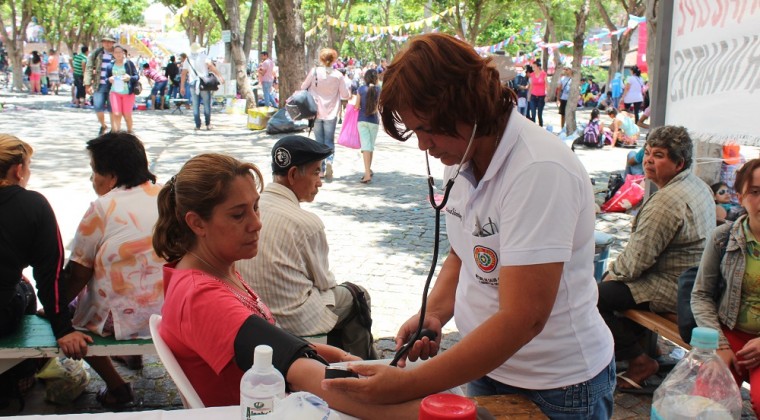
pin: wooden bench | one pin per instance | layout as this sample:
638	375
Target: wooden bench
663	324
35	339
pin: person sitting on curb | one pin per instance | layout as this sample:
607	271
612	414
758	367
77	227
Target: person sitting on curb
668	236
292	271
625	132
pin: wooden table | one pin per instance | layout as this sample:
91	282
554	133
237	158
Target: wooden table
512	407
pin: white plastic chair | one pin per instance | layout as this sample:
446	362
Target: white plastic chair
190	398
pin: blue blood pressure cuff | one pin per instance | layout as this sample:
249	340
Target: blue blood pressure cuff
287	348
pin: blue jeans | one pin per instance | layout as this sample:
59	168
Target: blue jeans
268	98
537	109
100	98
173	91
324	133
189	93
205	96
592	399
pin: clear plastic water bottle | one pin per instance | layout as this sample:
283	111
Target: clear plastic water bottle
700	386
261	385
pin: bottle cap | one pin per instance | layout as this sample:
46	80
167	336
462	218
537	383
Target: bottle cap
447	406
704	338
262	357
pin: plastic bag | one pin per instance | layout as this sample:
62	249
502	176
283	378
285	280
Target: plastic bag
301	105
627	197
65	379
699	387
302	405
281	122
349	133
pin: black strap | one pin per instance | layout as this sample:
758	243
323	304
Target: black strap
361	306
287	347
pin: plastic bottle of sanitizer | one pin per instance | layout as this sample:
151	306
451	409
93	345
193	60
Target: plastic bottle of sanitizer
261	385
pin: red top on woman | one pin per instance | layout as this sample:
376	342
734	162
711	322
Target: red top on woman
538	83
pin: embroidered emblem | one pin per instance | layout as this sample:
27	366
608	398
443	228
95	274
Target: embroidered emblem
282	157
485	258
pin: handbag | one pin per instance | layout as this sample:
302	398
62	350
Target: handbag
301	104
135	87
349	133
208	82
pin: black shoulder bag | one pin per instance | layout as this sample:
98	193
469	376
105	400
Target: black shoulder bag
208	82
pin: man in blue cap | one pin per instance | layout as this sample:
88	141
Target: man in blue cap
291	272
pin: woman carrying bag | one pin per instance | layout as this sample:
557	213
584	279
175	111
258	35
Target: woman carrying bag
369	123
122	75
328	88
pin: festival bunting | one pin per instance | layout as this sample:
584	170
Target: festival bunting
633	22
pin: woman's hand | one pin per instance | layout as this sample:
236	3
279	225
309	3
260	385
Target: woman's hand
74	344
729	358
381	384
749	356
423	348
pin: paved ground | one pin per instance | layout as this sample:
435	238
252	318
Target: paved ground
381	234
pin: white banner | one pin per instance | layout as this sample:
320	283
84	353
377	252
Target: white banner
714	78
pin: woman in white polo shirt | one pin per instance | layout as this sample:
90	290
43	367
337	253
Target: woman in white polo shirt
518	279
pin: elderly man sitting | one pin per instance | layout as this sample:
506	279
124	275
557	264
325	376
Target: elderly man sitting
668	236
291	272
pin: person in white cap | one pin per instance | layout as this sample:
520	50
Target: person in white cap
196	66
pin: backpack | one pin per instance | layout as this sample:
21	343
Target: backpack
591	137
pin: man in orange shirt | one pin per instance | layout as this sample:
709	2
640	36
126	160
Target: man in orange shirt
54	79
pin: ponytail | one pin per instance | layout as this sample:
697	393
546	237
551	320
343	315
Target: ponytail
171	235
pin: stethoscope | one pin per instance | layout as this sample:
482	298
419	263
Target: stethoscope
421	332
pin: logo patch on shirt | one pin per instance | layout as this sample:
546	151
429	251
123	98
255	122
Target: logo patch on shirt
485	258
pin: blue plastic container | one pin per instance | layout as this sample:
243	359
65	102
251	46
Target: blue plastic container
602	242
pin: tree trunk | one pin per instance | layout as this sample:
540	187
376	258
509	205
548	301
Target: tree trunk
238	58
261	27
248	36
652	7
15	38
270	29
289	41
575	87
619	46
551	34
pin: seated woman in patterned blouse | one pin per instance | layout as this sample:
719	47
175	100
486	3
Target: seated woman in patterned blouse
112	255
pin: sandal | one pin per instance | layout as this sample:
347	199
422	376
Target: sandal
120	397
365	181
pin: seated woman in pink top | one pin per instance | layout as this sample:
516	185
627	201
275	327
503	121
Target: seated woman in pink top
212	320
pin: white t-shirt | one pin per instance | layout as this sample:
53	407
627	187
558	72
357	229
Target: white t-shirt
199	62
635	92
534	205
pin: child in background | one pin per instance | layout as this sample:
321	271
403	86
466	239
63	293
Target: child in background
722	201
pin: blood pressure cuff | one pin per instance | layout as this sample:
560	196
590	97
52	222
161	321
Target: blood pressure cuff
286	346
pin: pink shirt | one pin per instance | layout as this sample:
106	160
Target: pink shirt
155	75
267	71
201	319
538	83
328	87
